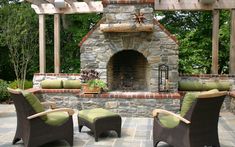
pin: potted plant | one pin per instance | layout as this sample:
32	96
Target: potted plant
91	81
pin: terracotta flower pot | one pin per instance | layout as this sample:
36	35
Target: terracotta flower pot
86	89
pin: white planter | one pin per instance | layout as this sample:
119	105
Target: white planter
207	1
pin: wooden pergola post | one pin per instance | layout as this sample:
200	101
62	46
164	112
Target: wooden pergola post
215	42
42	46
56	43
232	44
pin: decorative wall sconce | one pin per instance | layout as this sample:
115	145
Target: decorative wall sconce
163	82
59	3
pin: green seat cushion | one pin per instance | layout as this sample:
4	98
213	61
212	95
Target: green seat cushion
187	85
188	100
92	114
34	102
57	118
72	84
168	121
51	84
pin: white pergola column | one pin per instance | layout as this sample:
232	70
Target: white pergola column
215	42
56	43
232	44
42	44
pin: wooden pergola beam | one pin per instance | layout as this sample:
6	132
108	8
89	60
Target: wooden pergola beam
50	1
37	2
75	7
57	43
232	44
42	44
70	2
215	43
192	5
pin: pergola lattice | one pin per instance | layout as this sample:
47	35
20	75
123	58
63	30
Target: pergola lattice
45	7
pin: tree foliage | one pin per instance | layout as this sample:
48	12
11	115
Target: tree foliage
73	29
20	36
194	32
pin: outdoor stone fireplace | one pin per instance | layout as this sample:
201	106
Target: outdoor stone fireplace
128	53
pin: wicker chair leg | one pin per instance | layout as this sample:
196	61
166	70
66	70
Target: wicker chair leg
17	135
80	128
70	141
155	143
29	143
96	135
16	139
118	132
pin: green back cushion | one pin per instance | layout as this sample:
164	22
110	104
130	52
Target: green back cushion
34	102
169	121
187	85
72	84
57	118
188	100
51	84
92	114
222	86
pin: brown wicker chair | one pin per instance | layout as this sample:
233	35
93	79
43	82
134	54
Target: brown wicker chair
198	127
32	129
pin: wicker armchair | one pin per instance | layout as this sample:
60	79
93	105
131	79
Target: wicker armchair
33	129
197	128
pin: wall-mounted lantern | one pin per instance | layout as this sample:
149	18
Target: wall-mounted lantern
163	85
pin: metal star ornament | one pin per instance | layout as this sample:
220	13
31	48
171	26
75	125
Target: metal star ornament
139	18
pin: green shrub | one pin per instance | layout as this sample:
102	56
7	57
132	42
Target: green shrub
27	84
4	95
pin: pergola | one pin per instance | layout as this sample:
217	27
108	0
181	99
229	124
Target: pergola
57	7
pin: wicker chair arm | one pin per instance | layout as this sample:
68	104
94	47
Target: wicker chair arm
158	111
70	112
212	95
50	104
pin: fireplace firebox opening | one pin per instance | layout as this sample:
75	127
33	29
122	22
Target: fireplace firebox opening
128	70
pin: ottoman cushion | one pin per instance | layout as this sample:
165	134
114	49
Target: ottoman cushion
99	120
92	114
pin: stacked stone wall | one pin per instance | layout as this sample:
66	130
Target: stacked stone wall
126	107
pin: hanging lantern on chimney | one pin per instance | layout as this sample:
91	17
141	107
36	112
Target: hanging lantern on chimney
163	85
59	3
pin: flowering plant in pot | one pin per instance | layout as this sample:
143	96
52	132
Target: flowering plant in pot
91	81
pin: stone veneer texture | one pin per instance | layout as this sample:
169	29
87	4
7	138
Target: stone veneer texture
126	107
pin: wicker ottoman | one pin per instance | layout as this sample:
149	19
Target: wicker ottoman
99	120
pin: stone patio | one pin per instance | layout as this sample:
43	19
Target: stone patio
136	132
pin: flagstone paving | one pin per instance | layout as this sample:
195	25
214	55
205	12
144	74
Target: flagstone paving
136	132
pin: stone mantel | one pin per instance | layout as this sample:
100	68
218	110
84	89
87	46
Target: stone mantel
126	27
